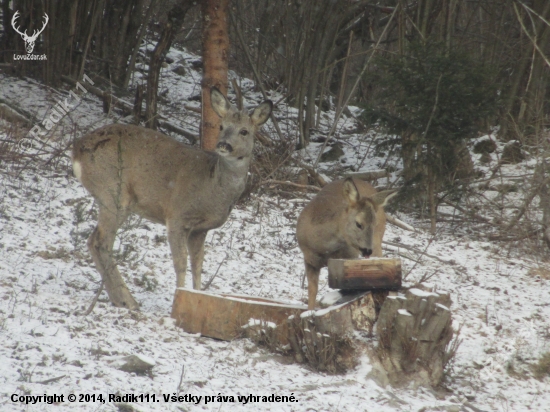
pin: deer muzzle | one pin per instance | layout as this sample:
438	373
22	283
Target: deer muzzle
366	252
224	148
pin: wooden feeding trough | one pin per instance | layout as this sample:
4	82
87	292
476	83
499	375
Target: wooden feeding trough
223	316
228	316
364	274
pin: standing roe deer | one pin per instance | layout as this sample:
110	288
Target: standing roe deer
130	169
344	220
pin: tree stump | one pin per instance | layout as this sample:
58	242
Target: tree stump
322	338
414	330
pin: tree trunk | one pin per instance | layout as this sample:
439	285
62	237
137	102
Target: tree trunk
6	41
215	46
175	20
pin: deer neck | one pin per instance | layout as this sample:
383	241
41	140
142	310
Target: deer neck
232	173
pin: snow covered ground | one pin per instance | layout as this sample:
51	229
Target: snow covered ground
501	302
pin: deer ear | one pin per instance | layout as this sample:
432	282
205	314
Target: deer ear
351	194
382	198
261	113
219	102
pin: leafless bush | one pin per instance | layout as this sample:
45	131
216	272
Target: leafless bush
542	368
271	161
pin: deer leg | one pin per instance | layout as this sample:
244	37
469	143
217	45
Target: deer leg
312	285
100	245
177	237
196	253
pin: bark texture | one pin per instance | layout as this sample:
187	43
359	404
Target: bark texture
215	40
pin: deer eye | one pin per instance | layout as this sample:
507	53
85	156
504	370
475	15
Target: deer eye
221	127
244	132
359	225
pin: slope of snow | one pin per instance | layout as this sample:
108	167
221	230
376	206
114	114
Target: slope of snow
47	281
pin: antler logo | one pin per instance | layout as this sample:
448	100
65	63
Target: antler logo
29	40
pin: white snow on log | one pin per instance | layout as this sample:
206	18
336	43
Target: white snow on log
404	312
258	322
439	305
330	298
420	292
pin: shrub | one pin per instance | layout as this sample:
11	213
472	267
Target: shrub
432	100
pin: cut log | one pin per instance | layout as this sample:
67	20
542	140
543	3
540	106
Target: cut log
223	316
364	274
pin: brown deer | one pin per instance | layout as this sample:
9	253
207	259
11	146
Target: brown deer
130	169
346	219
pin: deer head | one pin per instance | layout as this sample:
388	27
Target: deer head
29	40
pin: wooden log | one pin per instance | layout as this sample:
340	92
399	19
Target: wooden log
223	316
372	175
10	114
364	274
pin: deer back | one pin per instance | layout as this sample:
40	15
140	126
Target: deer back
140	170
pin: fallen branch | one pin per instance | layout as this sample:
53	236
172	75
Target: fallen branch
193	139
128	108
94	300
466	212
280	182
504	238
412	249
12	115
44	382
207	285
314	175
192	109
536	190
399	223
372	175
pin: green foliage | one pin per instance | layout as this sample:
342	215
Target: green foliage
433	100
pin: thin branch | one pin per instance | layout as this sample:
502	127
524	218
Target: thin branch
207	285
281	182
526	204
396	222
96	297
181	378
359	77
44	382
530	37
415	250
256	73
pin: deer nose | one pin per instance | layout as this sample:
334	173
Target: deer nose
224	147
366	252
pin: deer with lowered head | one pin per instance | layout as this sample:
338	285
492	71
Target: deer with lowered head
345	220
130	169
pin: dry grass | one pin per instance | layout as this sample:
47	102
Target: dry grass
324	352
542	368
